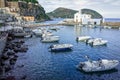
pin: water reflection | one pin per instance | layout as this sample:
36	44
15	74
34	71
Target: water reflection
77	30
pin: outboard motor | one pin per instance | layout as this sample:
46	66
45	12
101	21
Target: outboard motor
77	39
87	41
81	65
51	46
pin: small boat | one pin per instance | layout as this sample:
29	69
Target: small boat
22	34
89	41
97	41
37	32
54	28
61	47
83	38
48	39
28	36
46	34
100	65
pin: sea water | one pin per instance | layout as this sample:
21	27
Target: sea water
41	64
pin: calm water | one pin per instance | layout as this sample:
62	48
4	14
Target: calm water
40	64
112	19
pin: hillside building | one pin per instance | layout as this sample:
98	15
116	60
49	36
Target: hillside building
28	18
2	3
14	8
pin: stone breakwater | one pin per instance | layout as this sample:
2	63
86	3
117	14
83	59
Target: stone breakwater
3	39
112	24
9	56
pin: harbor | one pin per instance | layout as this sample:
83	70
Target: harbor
40	63
39	41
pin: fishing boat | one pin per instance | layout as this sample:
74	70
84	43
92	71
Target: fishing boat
61	47
83	38
99	65
49	39
97	41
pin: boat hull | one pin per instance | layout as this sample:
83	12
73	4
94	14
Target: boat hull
48	41
96	67
83	38
61	49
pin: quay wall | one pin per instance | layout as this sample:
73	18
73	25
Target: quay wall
3	40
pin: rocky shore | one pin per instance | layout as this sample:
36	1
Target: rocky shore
9	56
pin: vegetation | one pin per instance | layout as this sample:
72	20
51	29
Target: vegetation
62	12
33	1
69	13
93	13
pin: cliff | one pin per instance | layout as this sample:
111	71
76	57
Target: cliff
27	8
69	13
33	10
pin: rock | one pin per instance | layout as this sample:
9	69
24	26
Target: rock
2	78
7	68
10	78
13	61
10	38
20	66
20	49
2	63
24	77
10	52
5	57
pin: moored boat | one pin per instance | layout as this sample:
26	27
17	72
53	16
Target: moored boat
83	38
97	41
37	32
54	28
100	65
46	34
49	39
61	47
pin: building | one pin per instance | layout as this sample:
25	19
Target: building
28	18
4	16
85	19
2	3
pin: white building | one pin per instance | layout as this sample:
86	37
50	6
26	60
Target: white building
85	19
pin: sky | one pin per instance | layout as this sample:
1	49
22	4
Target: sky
107	8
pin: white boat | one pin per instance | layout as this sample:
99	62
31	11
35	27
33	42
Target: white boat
50	39
83	38
100	65
61	47
37	32
45	34
89	41
53	28
28	36
97	41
